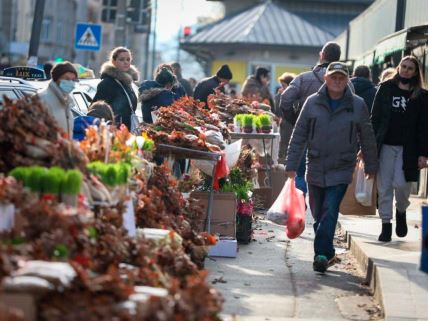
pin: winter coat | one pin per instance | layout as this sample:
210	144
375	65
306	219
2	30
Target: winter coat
80	125
206	87
415	126
59	106
186	85
333	139
111	92
252	88
300	88
153	96
365	89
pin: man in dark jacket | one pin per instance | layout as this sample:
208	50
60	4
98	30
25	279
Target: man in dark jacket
333	124
176	68
363	85
302	86
207	85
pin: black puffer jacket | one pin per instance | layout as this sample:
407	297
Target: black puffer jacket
111	92
365	89
415	126
206	87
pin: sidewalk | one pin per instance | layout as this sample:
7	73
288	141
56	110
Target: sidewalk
392	268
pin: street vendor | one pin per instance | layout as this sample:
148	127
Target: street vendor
207	86
56	97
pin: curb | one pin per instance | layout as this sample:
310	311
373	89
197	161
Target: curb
373	279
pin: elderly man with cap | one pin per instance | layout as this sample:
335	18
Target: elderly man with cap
207	85
333	124
56	97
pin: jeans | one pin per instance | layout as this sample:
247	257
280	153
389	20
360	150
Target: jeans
300	176
324	203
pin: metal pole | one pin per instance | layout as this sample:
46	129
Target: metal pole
120	24
155	13
146	55
35	32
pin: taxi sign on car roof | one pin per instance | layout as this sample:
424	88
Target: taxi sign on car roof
24	73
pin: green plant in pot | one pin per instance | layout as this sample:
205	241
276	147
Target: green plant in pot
52	183
265	123
35	178
238	122
258	125
70	188
248	122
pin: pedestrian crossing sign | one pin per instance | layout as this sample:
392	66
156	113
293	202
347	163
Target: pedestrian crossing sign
88	36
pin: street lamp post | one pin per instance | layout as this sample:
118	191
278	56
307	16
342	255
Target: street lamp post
35	32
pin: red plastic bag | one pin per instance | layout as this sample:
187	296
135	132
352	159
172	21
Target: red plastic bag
295	204
222	170
289	210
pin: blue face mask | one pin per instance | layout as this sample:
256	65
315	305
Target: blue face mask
66	86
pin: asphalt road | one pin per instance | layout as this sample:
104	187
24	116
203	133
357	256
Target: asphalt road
272	279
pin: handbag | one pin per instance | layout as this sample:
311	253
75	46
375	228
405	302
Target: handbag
135	122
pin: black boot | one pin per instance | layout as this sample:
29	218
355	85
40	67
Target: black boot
385	236
401	227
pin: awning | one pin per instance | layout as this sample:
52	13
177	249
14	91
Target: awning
387	46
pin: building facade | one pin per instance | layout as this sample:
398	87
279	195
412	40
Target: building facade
280	35
57	37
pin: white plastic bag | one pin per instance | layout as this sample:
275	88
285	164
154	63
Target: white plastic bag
231	151
363	186
278	212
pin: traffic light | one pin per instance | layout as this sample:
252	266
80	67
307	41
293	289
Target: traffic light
187	31
108	14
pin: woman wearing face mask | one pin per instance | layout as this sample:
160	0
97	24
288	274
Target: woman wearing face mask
56	96
399	117
115	88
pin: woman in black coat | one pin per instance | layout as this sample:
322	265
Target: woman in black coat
157	93
115	88
399	116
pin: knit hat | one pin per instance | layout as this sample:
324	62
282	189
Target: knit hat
165	77
224	72
61	68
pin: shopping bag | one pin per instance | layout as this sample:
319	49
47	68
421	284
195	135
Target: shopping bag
278	211
289	210
363	186
350	205
295	204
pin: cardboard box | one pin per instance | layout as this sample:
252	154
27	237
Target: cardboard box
349	204
224	248
223	215
262	197
278	178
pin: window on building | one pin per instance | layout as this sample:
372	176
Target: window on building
59	32
46	28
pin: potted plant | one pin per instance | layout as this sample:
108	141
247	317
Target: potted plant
71	187
265	123
257	124
248	122
237	122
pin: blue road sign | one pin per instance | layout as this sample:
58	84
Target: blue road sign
88	37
